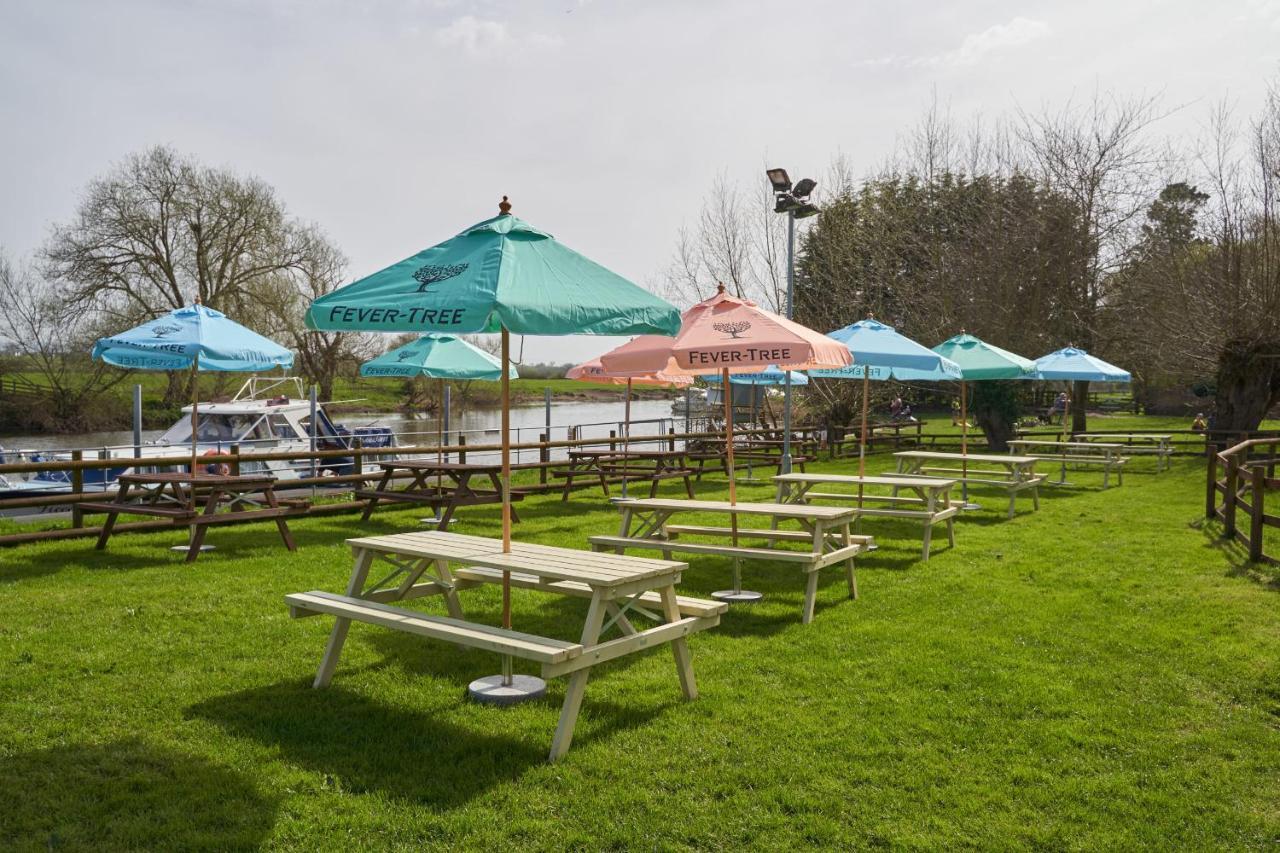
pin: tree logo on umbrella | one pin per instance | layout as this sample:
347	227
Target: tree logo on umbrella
431	274
404	356
733	330
165	331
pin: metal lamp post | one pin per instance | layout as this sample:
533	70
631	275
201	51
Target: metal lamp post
794	202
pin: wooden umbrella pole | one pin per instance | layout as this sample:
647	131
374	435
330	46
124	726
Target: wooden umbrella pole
728	436
440	439
1066	410
195	405
506	473
862	441
626	435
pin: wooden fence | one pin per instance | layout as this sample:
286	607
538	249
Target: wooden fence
1248	474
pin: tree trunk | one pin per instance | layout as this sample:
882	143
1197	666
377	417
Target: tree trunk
1248	384
1079	406
994	406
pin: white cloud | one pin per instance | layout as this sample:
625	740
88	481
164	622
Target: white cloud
482	36
475	35
975	48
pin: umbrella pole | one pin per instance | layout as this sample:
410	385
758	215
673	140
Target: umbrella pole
507	688
195	404
737	593
626	436
964	447
440	441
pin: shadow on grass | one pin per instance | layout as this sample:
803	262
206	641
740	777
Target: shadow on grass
415	756
18	565
127	795
1237	555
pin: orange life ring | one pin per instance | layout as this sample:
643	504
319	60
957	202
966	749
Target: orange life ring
222	469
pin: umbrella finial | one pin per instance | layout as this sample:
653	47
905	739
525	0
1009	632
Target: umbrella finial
720	287
198	299
504	207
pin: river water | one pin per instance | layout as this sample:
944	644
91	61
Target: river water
481	426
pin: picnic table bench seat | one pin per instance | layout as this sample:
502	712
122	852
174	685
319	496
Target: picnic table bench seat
514	643
1012	473
689	606
1108	457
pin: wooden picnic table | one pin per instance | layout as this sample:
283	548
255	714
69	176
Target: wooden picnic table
651	466
1108	457
193	500
826	529
931	501
433	562
751	451
1012	474
451	487
1160	446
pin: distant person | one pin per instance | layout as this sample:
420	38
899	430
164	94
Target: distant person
895	408
1059	407
1199	424
955	413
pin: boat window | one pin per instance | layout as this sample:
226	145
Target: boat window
280	426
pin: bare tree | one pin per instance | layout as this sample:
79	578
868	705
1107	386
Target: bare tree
51	339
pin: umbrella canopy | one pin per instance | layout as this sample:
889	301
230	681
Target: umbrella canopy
437	356
875	345
1069	364
725	333
594	371
194	336
980	360
771	375
498	274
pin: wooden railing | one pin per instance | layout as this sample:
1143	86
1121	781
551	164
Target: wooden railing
1248	474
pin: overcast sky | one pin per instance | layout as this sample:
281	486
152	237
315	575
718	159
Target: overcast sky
395	123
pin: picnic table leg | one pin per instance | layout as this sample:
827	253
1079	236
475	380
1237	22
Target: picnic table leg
451	602
120	498
848	565
199	530
620	618
568	480
928	538
679	646
810	596
577	682
281	525
338	636
383	485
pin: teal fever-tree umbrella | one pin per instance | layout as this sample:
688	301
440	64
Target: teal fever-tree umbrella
501	275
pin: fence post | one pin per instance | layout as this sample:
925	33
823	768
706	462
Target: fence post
462	448
235	461
1229	499
613	440
357	456
1257	475
671	442
77	487
1211	488
544	456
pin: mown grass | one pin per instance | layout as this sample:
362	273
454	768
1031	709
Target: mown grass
1102	674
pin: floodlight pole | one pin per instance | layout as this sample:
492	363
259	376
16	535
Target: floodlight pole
785	465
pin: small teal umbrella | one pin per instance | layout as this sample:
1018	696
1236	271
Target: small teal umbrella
879	352
437	356
193	337
771	375
1070	364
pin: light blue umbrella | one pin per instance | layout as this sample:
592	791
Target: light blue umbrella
881	353
193	337
771	375
1071	364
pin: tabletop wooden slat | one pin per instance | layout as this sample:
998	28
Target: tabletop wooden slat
819	513
444	467
869	480
972	457
547	561
185	478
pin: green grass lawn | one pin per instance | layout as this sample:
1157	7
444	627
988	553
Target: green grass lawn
1101	674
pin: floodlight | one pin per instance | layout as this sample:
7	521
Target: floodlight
778	177
803	187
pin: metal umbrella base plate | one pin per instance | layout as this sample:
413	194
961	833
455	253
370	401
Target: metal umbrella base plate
491	690
970	506
737	596
187	548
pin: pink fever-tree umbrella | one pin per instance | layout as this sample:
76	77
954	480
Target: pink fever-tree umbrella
593	371
726	334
